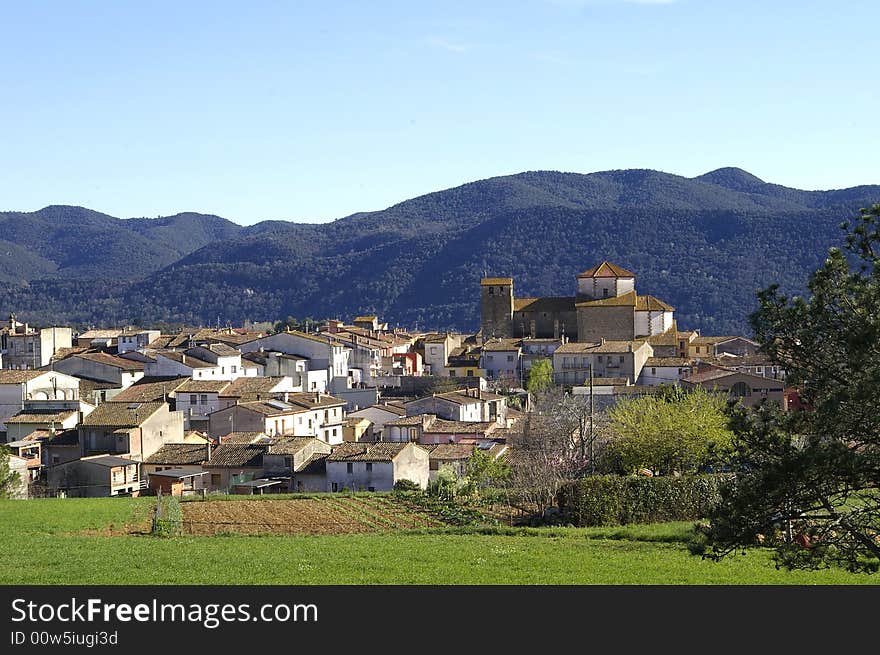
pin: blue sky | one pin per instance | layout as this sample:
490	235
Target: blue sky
311	111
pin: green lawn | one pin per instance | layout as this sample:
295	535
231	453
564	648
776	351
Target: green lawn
72	541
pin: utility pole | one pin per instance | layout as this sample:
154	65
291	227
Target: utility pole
592	464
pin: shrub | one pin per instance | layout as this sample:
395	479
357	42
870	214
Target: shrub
618	500
406	485
168	519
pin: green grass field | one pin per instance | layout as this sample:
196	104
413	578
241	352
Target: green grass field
84	541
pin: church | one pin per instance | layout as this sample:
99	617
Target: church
605	306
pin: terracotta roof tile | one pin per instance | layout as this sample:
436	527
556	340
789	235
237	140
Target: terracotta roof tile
607	269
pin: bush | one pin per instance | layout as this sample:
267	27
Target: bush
168	518
406	485
618	500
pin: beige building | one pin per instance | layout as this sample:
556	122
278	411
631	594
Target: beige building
376	466
750	390
574	362
605	305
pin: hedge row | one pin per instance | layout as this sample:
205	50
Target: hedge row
619	499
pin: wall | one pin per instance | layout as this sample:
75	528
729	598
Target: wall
51	339
597	288
613	323
496	311
412	464
12	396
381	478
243	421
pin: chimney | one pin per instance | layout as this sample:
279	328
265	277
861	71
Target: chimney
183	359
285	396
603	341
317	396
208	451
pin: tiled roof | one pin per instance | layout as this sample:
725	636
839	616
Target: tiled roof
203	386
249	387
179	453
41	417
243	437
704	341
652	304
314	465
408	420
442	426
112	360
63	438
675	362
263	407
503	345
99	334
391	408
668	338
546	304
121	414
64	353
607	382
150	389
109	461
707	373
576	347
310	400
289	445
222	350
237	455
461	397
449	451
607	269
186	360
13	376
383	451
726	359
628	299
489	281
365	319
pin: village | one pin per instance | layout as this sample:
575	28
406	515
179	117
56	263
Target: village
349	405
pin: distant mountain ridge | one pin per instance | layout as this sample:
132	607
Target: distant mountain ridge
704	244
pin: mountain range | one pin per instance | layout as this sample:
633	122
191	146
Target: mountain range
703	244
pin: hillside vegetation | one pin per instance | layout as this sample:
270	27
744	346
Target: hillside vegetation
703	244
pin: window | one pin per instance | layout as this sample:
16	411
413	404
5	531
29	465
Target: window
204	398
300	420
371	488
369	467
488	358
601	358
326	415
740	390
510	358
334	487
621	359
215	479
222	370
55	459
433	350
653	371
470	373
491	291
287	462
192	399
334	432
604	293
451	373
234	369
349	468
